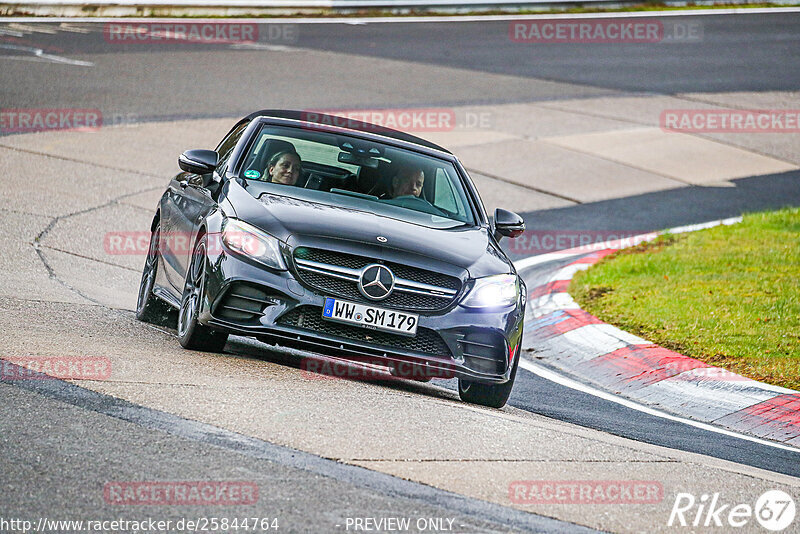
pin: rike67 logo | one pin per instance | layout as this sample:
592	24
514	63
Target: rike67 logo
774	510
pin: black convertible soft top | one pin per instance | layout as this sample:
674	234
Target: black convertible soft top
327	120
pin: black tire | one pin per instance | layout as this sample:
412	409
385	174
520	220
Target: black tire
191	334
150	308
491	395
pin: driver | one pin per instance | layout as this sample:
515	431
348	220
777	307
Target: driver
284	167
408	182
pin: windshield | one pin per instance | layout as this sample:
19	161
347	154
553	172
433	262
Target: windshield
353	173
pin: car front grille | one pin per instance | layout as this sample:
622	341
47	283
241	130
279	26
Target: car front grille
310	318
337	274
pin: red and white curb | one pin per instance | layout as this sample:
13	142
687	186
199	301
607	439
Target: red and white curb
566	338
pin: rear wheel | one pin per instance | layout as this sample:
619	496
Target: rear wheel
191	334
150	308
491	395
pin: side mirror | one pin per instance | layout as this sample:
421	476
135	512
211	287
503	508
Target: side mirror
507	223
198	161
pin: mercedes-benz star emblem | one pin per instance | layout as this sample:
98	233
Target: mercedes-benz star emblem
376	282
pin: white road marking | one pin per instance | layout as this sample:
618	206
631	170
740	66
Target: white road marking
539	259
453	18
66	27
551	302
703	226
32	59
264	46
39	53
711	400
568	272
702	373
12	33
38	28
604	338
552	376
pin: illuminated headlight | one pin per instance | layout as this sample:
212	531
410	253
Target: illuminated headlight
253	243
493	292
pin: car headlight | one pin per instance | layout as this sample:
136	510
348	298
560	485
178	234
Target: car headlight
253	243
493	292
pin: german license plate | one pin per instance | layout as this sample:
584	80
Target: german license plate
370	317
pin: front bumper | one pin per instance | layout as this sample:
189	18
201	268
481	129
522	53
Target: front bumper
244	298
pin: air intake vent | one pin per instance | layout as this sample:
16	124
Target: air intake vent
243	302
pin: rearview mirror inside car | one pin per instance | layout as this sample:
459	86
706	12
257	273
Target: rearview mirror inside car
507	224
354	159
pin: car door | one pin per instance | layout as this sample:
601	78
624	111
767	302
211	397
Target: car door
172	241
195	201
190	209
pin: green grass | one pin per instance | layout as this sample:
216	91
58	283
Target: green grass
729	296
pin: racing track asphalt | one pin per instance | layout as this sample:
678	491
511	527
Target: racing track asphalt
69	469
737	53
538	395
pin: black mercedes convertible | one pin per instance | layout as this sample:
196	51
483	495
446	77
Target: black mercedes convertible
353	241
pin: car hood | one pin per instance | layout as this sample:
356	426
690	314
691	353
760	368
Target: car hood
298	221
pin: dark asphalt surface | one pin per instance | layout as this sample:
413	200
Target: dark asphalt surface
59	471
543	397
80	440
749	53
538	395
674	207
168	80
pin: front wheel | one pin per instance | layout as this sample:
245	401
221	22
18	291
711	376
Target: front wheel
491	395
192	334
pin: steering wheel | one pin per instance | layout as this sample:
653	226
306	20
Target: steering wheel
314	181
